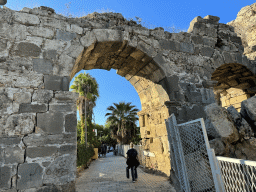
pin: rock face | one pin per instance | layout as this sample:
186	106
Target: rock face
234	136
245	28
221	124
40	51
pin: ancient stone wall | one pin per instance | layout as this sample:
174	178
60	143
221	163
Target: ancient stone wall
41	51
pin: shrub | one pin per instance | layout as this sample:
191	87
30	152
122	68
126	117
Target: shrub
84	154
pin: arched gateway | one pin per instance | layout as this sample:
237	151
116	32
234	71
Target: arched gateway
41	51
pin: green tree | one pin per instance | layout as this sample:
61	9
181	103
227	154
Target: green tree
123	117
87	87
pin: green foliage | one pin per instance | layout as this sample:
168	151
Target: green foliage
84	154
122	121
85	82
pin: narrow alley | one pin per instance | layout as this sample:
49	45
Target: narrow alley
108	174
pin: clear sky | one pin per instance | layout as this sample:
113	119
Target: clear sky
154	13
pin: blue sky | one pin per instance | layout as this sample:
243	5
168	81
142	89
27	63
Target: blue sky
154	13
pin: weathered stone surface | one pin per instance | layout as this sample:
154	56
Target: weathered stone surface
34	152
19	124
66	97
30	176
22	97
186	47
5	141
54	123
42	96
65	36
70	123
27	19
5	175
41	32
50	54
221	123
207	51
42	140
248	109
42	66
32	108
62	168
14	155
56	83
62	107
67	149
28	50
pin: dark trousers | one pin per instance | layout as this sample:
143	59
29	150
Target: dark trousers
134	172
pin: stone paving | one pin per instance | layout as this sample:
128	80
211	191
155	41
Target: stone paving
108	174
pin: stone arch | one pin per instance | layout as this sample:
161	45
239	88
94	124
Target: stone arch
146	76
41	50
235	83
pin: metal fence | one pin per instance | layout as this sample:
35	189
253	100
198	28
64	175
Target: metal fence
238	175
192	158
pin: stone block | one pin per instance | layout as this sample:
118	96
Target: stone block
54	44
50	54
34	152
54	123
32	108
26	19
63	107
207	51
218	146
88	39
5	177
221	123
248	109
107	35
22	97
65	36
236	39
4	141
19	124
67	149
187	47
197	39
66	97
42	96
70	123
209	41
169	45
42	66
41	31
42	139
212	19
14	155
60	171
56	83
28	50
30	176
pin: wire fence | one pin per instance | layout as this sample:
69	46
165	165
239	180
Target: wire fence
238	175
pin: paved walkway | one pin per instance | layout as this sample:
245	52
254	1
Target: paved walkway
108	174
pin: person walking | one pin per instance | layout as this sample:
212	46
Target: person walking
105	149
132	162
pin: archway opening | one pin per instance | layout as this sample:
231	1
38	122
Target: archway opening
148	79
235	83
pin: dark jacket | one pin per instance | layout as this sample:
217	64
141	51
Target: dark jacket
132	160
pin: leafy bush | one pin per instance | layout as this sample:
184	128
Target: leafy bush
84	154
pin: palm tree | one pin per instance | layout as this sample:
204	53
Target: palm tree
123	116
87	87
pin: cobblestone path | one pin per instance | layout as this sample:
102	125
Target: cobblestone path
108	174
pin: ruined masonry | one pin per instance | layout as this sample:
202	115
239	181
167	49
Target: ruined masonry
40	52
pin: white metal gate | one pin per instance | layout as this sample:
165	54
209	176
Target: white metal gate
191	157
